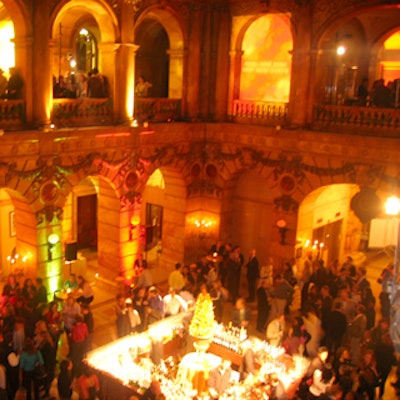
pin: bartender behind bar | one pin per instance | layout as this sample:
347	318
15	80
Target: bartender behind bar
219	379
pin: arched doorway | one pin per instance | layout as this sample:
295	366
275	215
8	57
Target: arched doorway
163	211
327	228
152	61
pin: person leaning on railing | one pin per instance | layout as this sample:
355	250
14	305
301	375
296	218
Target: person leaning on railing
15	85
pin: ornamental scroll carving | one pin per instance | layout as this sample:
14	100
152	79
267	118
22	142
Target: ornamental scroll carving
205	168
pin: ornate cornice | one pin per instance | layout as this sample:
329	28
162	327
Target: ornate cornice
205	167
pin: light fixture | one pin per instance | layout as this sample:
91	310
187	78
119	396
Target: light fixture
202	225
52	240
392	205
340	50
134	223
282	226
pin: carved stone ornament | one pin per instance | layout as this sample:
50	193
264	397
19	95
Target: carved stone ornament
287	183
49	193
131	180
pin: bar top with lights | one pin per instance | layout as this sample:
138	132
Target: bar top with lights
165	353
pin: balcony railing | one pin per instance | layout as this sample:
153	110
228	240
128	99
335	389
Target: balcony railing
258	112
82	112
365	120
12	114
157	109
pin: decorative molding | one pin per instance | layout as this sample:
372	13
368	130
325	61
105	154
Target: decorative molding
205	168
48	213
286	203
130	198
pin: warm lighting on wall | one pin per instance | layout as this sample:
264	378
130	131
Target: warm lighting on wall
7	52
52	241
201	225
134	223
17	261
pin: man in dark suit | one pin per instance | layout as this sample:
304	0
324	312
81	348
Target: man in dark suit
253	273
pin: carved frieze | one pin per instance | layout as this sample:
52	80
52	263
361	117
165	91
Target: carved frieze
205	168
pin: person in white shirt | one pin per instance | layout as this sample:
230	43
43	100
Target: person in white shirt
276	330
173	303
322	381
86	290
134	317
219	379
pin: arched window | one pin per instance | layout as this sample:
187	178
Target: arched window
266	60
86	51
389	58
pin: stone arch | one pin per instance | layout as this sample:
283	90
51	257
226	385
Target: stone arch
22	21
238	74
70	16
351	27
19	14
167	19
172	198
327	227
115	247
18	231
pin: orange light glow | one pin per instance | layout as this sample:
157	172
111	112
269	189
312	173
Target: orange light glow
7	53
266	62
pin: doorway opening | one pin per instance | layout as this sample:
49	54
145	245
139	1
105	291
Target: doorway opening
87	222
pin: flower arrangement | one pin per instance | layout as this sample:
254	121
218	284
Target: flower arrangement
203	321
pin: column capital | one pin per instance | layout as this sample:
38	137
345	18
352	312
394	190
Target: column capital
111	47
23	41
176	53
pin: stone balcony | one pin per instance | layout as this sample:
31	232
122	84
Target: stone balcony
340	119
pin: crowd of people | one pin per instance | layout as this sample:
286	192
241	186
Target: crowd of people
11	87
379	94
41	340
339	325
80	85
336	324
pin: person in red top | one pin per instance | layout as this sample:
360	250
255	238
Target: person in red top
78	336
53	319
88	385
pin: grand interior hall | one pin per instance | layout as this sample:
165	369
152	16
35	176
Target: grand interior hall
158	127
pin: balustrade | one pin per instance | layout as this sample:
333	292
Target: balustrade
82	112
367	120
157	109
259	112
12	114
